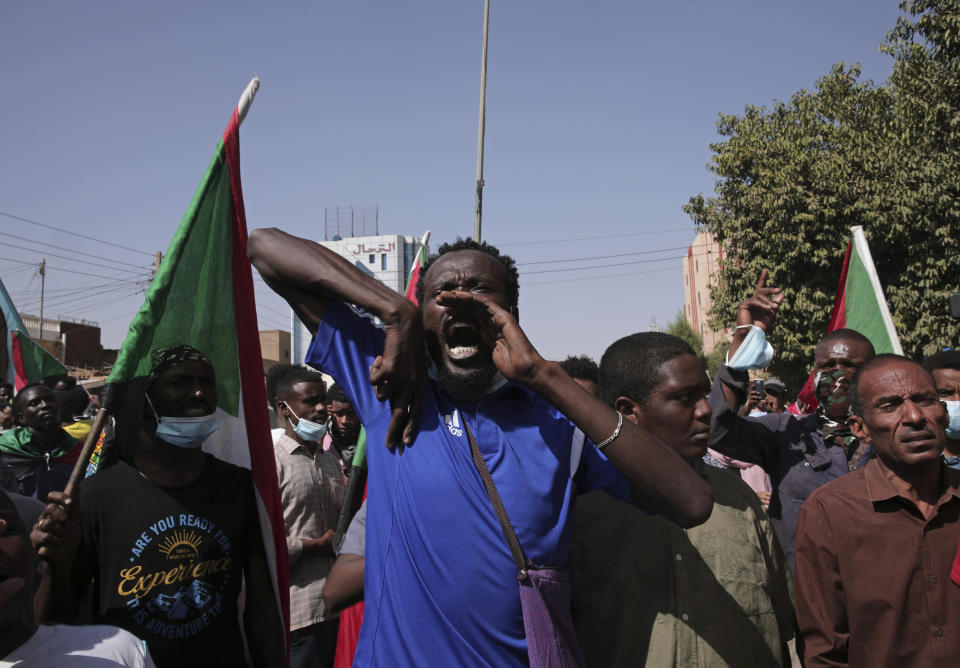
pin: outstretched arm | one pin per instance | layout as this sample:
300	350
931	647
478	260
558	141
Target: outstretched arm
661	480
308	275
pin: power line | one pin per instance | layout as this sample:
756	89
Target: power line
22	294
79	301
96	257
615	264
272	310
603	236
66	292
603	257
70	259
268	321
82	273
76	234
594	278
109	300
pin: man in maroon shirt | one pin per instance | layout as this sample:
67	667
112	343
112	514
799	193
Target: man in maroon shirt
874	547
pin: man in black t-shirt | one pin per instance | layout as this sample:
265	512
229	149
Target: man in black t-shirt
166	535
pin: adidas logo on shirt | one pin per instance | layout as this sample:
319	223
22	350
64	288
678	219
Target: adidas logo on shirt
453	423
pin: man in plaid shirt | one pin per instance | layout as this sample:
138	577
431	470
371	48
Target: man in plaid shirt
311	492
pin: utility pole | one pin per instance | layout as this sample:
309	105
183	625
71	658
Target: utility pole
43	281
478	212
156	265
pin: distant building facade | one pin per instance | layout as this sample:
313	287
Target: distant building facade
701	272
76	343
274	347
386	257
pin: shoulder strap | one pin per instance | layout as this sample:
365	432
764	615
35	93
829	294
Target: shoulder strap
508	532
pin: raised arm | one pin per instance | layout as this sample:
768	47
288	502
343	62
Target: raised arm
746	439
759	310
661	480
308	275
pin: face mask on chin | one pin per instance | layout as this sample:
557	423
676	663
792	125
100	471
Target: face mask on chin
307	429
185	432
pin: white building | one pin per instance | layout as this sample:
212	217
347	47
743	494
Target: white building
387	257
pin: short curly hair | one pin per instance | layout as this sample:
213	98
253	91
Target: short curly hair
630	367
507	262
281	377
581	367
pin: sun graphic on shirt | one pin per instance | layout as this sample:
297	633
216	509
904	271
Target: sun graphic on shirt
181	545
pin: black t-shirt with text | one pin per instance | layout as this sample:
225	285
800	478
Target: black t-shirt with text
167	563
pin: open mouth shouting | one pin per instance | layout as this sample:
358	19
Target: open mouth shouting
463	344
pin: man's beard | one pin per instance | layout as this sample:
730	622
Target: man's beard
469	385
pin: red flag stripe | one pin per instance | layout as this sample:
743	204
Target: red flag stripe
838	320
17	357
262	463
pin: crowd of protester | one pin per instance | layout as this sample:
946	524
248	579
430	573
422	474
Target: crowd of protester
515	510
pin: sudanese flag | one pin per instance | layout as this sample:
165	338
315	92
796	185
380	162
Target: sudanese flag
859	305
202	296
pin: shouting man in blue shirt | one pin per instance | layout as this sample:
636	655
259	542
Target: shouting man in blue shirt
440	582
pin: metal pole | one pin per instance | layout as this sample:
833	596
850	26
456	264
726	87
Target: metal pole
478	212
43	281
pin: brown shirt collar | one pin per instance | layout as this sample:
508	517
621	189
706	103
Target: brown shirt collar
879	488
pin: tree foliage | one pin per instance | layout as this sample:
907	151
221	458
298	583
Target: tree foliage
792	180
682	329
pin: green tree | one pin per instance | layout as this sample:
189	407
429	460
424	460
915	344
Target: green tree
792	180
680	328
716	357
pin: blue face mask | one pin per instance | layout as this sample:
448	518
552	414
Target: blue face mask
753	353
185	432
307	430
953	428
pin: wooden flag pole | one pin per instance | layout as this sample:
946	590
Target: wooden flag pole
80	468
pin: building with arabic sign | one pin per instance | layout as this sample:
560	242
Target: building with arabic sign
386	257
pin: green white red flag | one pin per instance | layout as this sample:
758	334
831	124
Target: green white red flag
30	361
202	296
21	360
414	279
859	305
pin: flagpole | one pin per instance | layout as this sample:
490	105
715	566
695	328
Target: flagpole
243	106
80	467
478	211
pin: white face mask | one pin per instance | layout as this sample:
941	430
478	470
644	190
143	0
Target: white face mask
754	352
306	429
185	432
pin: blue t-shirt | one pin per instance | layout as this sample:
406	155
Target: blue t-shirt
440	584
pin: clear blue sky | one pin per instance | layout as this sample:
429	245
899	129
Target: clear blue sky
599	120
